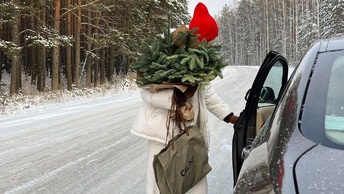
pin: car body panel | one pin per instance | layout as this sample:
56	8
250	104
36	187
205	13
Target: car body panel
285	142
319	170
259	181
332	45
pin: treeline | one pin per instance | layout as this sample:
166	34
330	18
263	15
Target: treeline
61	44
77	43
254	27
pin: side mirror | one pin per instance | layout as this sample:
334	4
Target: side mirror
267	94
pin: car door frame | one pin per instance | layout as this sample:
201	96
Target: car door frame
245	128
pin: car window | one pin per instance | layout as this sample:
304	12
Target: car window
323	109
334	117
272	85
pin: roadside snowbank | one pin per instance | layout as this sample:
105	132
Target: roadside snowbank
18	103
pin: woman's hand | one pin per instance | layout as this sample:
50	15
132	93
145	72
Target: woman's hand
231	118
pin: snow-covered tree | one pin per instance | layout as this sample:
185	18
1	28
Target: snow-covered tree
332	18
308	27
76	42
287	26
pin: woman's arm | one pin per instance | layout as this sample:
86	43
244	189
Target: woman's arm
161	99
215	104
218	107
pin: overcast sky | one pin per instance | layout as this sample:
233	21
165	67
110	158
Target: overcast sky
214	6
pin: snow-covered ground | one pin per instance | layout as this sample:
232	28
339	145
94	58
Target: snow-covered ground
85	146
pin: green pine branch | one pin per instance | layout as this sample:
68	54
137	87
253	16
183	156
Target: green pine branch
161	60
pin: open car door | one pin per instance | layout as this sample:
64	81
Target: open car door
261	101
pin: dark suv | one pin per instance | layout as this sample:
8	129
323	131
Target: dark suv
290	136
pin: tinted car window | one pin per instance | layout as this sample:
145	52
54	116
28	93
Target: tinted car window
272	85
323	116
334	117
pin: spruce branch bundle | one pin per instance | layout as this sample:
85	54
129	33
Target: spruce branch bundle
177	58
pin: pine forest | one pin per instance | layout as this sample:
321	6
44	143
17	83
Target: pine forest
255	27
66	44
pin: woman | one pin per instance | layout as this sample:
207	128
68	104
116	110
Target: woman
151	119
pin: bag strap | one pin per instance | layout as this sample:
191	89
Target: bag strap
177	118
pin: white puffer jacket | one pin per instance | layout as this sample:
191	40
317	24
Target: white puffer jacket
150	122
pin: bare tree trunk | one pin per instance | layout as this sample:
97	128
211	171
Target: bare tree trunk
77	45
41	70
102	66
41	63
56	49
1	58
296	20
318	18
32	58
15	56
284	30
24	23
267	26
69	50
89	49
96	62
111	64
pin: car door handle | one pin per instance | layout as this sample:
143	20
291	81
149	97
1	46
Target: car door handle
245	152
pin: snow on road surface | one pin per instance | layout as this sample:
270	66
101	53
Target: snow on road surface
86	147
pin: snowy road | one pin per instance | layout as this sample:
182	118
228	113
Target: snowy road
86	147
